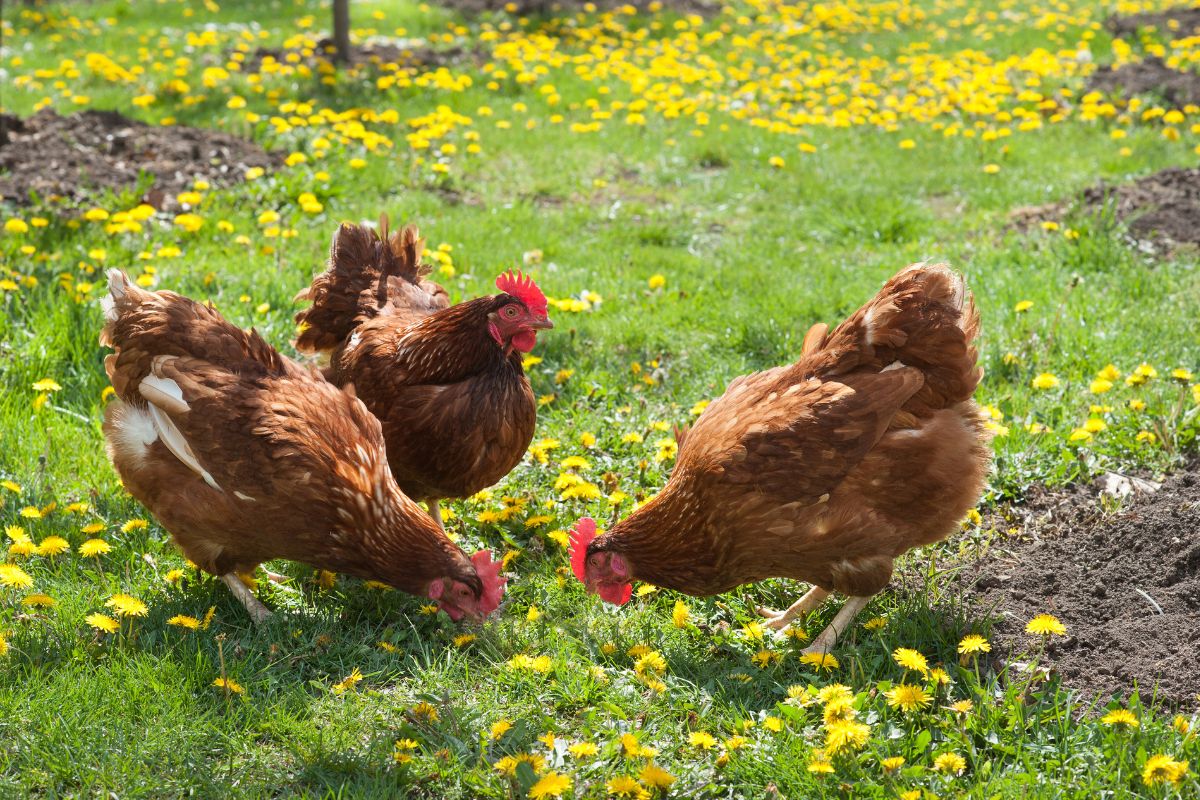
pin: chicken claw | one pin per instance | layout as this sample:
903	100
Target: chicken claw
258	612
828	637
778	620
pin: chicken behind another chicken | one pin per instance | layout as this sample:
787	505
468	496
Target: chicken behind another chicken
446	382
245	456
824	470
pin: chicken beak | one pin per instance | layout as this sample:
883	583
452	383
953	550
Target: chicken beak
543	324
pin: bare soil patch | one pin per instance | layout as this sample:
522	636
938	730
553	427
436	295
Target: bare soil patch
705	8
70	157
1177	22
1151	76
1126	585
1160	209
403	52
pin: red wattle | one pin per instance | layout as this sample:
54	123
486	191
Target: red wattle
524	341
489	575
617	594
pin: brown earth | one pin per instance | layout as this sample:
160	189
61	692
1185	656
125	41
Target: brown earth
1175	22
1162	208
87	153
705	8
1151	76
374	53
1086	567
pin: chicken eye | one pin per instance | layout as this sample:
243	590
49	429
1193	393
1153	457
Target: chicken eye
510	311
463	591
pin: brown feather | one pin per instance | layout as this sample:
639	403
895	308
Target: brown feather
298	468
457	411
827	469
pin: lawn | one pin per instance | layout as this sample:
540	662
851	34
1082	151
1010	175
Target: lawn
693	192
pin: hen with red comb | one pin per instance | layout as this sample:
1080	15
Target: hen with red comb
446	381
524	289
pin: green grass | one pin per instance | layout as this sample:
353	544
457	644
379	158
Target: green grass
751	255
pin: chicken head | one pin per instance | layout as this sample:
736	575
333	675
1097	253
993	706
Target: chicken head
604	573
515	323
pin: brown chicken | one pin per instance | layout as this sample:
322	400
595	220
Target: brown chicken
445	381
824	470
245	456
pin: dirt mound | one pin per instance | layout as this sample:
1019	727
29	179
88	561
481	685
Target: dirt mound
1162	208
94	151
404	52
1126	585
1175	22
1151	76
545	8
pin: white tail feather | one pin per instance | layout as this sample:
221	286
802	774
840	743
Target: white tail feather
173	439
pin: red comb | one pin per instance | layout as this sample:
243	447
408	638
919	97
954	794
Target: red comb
581	536
524	289
493	585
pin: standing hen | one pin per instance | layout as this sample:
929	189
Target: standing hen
245	456
445	381
824	470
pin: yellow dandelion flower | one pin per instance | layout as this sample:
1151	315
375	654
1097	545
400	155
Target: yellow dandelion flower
1045	380
583	749
820	661
94	547
907	698
552	784
13	576
1163	769
184	621
102	622
347	683
910	659
38	601
625	786
846	734
962	706
702	740
892	764
425	711
656	777
126	605
53	546
973	643
1045	625
950	763
819	763
1120	716
229	685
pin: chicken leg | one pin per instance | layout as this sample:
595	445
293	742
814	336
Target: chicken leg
258	612
280	581
809	602
828	637
435	511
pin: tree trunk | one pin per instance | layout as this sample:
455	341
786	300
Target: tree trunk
341	30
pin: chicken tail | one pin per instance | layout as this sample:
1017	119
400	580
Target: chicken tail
923	317
368	273
123	296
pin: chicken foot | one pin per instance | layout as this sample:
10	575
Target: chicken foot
281	581
778	620
258	612
435	511
840	622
